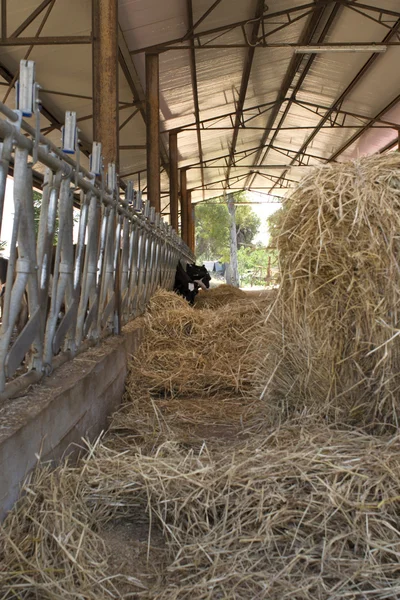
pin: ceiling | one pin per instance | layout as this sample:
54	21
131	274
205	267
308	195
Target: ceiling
250	112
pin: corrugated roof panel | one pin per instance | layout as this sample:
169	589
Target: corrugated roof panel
150	22
67	69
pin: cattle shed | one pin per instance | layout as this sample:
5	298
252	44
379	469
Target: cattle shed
244	445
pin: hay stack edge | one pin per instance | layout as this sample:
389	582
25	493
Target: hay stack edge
257	450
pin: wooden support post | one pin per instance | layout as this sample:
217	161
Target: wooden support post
105	77
193	241
184	207
152	130
173	179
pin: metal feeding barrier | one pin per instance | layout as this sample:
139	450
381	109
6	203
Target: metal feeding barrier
74	294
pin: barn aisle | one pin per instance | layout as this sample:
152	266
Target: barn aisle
200	489
257	452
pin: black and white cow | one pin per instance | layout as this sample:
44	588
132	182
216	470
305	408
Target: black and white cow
189	280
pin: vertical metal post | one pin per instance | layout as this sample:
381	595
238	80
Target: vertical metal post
190	225
173	179
193	244
105	77
152	130
184	207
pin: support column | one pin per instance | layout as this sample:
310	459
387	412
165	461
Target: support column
105	77
193	229
234	270
173	179
152	130
105	104
190	221
184	207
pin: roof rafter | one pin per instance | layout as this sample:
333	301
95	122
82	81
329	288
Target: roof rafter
133	80
192	29
248	62
242	154
227	28
365	128
263	108
31	18
57	40
338	102
306	37
193	73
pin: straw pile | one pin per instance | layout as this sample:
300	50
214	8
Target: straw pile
339	250
218	296
49	548
299	511
198	353
306	509
303	513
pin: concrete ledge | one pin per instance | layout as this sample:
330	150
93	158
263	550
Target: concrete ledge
51	419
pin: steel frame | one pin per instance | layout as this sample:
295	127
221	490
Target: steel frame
306	38
308	8
369	125
339	101
207	124
193	73
320	15
248	62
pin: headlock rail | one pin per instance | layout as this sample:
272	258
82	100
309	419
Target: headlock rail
74	294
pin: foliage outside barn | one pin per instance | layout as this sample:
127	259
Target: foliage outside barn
257	263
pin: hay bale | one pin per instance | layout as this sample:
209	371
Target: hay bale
339	253
218	296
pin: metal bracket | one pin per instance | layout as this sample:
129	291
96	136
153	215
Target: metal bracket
36	141
26	88
95	159
129	192
111	177
69	133
138	202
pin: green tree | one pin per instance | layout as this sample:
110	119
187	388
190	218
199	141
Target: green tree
212	231
254	264
212	227
247	225
275	224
